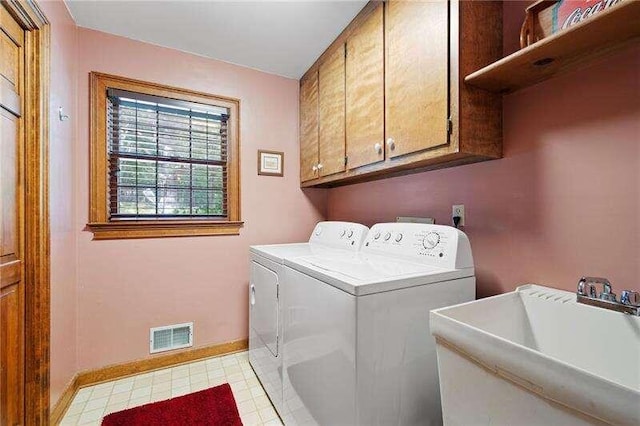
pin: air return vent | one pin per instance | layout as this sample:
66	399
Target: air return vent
171	337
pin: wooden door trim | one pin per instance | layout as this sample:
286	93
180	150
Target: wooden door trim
36	208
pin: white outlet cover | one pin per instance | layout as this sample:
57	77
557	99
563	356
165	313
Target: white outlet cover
458	210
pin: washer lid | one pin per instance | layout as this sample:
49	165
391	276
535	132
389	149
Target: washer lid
362	274
342	236
278	252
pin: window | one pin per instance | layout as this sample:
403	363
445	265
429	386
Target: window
164	161
166	158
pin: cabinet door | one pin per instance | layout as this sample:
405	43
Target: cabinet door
416	83
309	127
365	92
332	114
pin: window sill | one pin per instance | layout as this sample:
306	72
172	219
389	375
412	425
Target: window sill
161	229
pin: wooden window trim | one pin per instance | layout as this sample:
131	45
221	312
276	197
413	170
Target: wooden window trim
99	222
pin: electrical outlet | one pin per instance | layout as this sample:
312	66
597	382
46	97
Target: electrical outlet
458	210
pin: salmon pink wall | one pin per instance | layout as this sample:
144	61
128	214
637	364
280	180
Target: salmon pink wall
565	199
62	196
127	286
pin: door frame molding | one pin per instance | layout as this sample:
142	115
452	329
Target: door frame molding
36	207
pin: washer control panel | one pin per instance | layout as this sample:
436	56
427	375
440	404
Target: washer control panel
434	244
346	235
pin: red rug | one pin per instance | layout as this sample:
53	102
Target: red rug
214	406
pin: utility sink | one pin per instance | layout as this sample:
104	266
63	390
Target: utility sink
535	356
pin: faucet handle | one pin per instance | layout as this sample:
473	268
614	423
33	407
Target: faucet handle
629	297
586	287
607	294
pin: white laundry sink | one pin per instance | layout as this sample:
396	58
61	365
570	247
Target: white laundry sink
535	356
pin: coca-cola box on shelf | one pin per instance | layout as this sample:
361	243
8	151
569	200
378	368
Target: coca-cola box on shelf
546	17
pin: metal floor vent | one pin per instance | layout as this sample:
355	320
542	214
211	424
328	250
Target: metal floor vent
170	337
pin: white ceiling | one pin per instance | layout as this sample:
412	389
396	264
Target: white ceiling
279	37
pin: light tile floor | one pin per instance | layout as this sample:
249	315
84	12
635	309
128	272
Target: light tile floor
92	403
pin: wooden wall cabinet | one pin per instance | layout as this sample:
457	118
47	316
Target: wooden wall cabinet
406	106
309	127
331	113
322	118
417	65
365	91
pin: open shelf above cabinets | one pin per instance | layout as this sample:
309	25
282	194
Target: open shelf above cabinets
564	51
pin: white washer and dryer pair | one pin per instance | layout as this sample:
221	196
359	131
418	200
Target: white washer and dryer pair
355	347
265	310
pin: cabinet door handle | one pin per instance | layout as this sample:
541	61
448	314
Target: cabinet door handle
252	295
391	144
320	166
378	147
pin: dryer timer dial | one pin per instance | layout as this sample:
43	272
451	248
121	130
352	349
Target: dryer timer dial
431	240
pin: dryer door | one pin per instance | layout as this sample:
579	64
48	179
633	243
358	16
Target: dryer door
264	305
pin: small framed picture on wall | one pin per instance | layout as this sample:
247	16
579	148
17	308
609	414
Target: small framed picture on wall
270	163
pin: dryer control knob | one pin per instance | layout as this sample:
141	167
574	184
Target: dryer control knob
376	236
387	236
399	237
431	240
344	231
350	233
318	230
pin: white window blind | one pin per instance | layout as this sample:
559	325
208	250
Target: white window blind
167	158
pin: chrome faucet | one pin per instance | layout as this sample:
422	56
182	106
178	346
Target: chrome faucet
587	293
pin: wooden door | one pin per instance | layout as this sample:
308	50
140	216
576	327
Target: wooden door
11	223
365	92
309	127
416	82
332	113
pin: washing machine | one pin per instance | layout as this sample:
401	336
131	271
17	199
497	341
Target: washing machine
357	348
266	276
